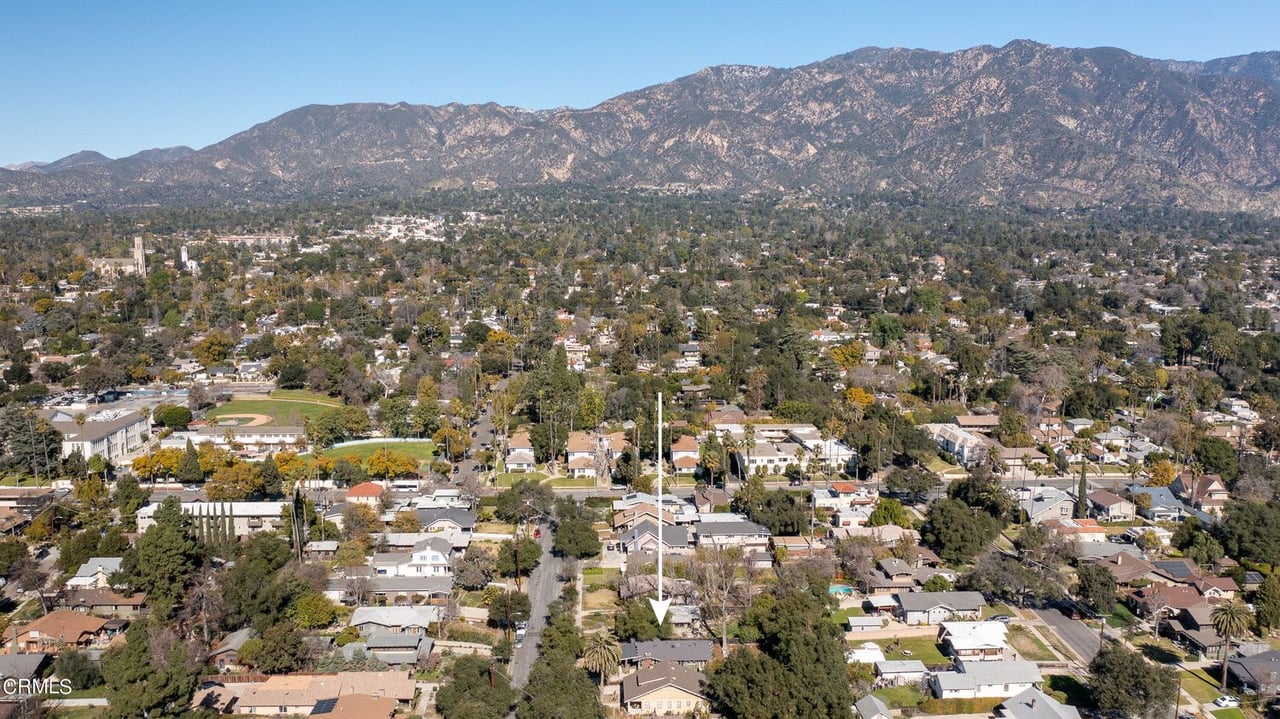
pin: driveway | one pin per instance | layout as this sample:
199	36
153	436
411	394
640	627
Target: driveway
1078	636
543	587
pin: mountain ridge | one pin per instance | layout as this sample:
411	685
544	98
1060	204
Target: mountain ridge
1024	122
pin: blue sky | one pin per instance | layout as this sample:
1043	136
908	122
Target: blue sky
122	77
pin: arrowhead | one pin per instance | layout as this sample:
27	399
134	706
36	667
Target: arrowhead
660	608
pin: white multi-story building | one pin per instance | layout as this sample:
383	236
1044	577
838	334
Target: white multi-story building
430	558
110	434
243	518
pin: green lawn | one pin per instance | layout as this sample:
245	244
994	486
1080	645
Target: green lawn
924	649
423	450
1199	684
901	697
302	395
509	478
1069	689
1234	713
283	413
841	616
992	610
1121	617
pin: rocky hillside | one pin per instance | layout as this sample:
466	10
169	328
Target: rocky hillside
1023	123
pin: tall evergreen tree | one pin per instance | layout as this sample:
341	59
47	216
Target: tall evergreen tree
189	468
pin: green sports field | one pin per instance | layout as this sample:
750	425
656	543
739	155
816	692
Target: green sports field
422	451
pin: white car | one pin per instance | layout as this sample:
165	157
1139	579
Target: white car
1226	701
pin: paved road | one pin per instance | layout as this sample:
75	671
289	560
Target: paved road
543	587
1080	637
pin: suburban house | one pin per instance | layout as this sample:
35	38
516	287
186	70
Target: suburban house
1194	626
321	549
55	630
429	558
972	680
1035	704
355	706
984	423
1206	492
111	434
1110	507
684	455
896	672
102	602
625	519
96	572
741	533
644	538
358	585
446	519
1259	673
580	454
685	652
936	607
368	493
1166	599
1159	505
1126	568
394	620
1075	530
664	690
841	495
225	655
397	650
519	453
872	707
974	641
288	694
1040	504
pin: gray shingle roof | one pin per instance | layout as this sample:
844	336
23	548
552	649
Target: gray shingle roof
924	601
668	650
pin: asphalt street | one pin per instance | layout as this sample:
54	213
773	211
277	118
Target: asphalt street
543	587
1080	637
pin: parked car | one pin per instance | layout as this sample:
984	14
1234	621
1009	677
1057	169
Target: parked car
1004	618
1226	701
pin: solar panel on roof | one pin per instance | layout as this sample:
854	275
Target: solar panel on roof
1177	570
324	706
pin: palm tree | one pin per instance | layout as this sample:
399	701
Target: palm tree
1230	619
600	654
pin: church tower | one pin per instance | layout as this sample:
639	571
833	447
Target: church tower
139	259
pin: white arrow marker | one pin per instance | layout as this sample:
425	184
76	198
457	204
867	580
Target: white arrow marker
660	605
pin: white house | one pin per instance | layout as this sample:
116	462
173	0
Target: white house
967	447
974	641
684	455
95	572
901	671
429	558
972	680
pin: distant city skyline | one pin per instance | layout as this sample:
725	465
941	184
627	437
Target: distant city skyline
121	78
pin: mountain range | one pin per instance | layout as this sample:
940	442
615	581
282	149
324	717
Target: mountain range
1025	123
